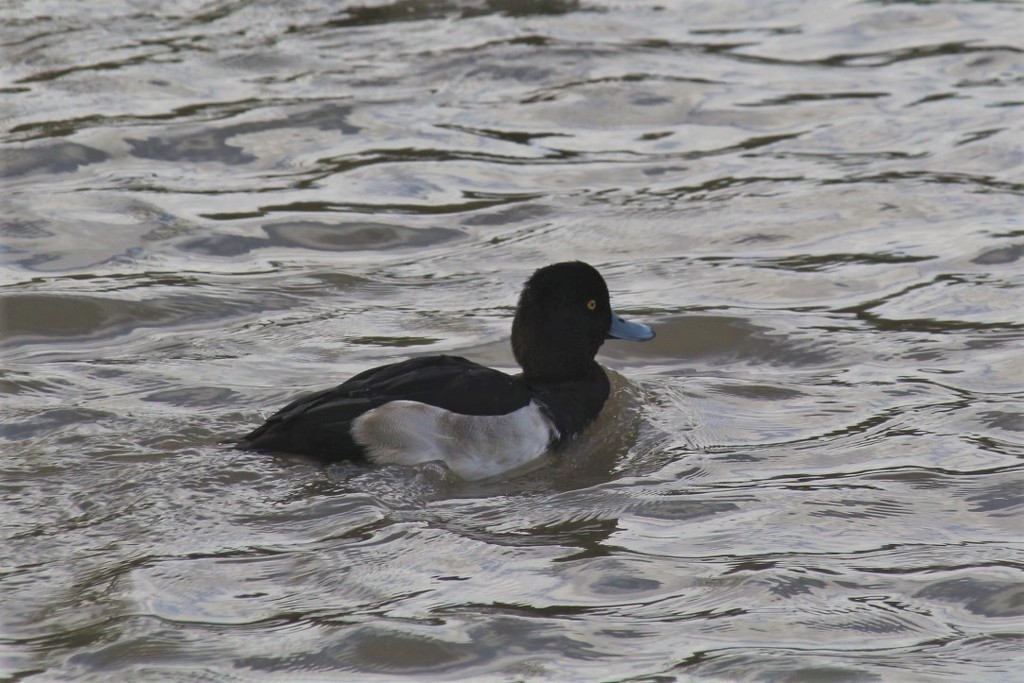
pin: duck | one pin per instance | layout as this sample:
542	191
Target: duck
479	421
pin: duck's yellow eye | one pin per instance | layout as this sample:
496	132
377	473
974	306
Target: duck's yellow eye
592	304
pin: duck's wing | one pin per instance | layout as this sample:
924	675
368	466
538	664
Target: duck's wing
319	424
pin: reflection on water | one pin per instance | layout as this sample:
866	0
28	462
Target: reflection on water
812	473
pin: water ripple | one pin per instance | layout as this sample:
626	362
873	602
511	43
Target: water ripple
813	472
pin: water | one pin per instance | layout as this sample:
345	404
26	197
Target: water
814	473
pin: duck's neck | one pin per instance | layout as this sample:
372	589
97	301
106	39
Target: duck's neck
548	354
574	403
545	371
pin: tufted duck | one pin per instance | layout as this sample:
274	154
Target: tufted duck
479	421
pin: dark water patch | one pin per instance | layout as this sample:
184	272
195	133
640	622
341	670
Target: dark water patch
1013	422
205	146
224	245
212	144
935	658
14	382
993	599
977	182
993	339
497	645
107	65
314	235
473	201
975	136
145	644
796	98
33	318
336	280
791	586
24	229
371	157
513	136
47	316
423	10
717	189
890	57
719	340
845	508
815	263
517	213
936	326
613	584
848	159
588	536
354	236
61	157
374	649
915	478
203	111
1005	499
1000	255
394	342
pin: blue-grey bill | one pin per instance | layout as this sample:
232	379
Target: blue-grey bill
624	329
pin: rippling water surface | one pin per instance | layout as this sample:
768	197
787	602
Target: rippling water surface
814	473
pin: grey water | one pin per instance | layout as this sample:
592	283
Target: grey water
815	472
